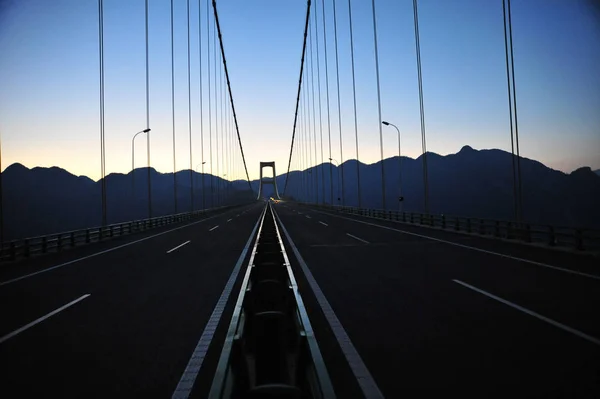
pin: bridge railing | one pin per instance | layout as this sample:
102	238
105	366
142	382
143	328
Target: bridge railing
57	242
580	239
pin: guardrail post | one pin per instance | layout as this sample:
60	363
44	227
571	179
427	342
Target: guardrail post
497	229
468	225
412	218
121	229
509	233
44	245
578	240
87	236
72	239
420	218
13	251
130	227
111	231
481	228
58	243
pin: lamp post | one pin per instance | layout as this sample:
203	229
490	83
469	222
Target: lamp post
337	164
400	197
133	164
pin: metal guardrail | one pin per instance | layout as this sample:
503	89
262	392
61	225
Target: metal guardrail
270	349
27	247
580	239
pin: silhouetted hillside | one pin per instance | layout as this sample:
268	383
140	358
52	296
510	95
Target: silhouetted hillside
597	171
47	200
469	183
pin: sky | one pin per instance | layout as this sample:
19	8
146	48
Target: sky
49	81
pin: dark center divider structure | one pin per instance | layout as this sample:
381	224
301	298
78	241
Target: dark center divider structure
270	349
27	247
580	240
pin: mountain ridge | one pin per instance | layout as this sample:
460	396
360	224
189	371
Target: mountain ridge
475	183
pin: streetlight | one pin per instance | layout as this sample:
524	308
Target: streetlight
133	163
337	164
400	197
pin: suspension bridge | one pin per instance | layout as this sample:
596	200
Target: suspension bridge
303	284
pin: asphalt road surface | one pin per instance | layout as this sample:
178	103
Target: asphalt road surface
437	313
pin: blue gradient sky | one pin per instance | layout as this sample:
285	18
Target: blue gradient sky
49	80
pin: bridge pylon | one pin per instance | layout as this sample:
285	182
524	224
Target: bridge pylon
266	180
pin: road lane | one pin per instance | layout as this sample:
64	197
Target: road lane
432	329
39	264
135	333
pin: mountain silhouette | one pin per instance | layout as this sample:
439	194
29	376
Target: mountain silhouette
41	201
476	183
597	171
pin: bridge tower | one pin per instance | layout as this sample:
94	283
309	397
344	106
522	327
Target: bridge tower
267	180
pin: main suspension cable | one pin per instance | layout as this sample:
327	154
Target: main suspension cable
298	93
230	94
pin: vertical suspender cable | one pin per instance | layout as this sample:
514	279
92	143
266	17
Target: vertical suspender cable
190	107
320	109
230	94
212	194
148	118
314	120
223	136
379	106
512	143
309	177
102	147
299	89
354	97
218	175
173	109
422	111
337	75
328	114
512	62
201	102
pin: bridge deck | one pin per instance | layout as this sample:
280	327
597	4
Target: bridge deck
430	313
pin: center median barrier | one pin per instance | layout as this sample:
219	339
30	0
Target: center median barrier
270	349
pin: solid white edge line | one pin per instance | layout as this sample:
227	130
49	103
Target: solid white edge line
359	369
14	280
532	313
179	246
214	228
356	238
229	220
323	223
469	247
188	378
308	217
33	323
